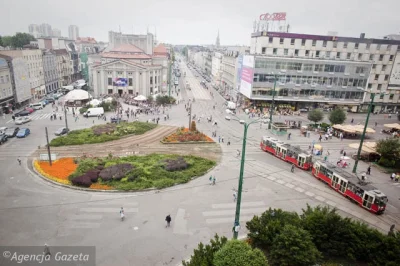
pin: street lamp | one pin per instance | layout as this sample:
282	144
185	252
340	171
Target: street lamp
363	134
239	192
272	104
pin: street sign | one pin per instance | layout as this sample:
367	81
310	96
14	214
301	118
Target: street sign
45	157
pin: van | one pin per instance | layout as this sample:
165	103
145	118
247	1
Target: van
96	111
36	106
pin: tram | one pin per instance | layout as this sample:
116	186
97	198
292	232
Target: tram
287	152
366	196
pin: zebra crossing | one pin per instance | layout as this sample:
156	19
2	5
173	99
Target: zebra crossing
224	213
38	116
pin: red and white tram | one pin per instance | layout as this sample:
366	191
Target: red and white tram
367	196
287	152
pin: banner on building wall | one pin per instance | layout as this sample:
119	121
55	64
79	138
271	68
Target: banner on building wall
247	73
120	82
394	81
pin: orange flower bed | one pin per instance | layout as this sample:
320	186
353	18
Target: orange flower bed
100	186
60	169
185	135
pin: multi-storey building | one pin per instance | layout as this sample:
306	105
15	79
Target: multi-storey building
144	42
87	45
126	69
63	67
216	71
6	92
45	30
20	82
207	62
51	75
324	69
73	32
34	30
229	80
56	32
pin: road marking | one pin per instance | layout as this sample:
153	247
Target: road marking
9	121
85	217
299	189
289	185
229	220
229	212
320	198
333	204
310	194
82	225
233	205
280	181
108	210
271	178
180	224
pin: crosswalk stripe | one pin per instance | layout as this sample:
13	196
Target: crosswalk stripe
108	210
9	121
228	220
83	225
233	205
85	217
229	212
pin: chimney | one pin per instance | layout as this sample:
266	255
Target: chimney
362	35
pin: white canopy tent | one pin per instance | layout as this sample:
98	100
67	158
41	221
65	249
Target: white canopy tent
77	95
140	98
94	102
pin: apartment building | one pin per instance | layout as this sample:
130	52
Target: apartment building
51	75
314	69
6	92
64	68
216	64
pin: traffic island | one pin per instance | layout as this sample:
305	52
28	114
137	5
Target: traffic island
187	136
131	173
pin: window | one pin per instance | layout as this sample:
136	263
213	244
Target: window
263	49
338	55
1	79
281	41
368	45
369	86
296	52
379	86
303	42
292	41
376	76
317	54
389	47
386	77
130	82
109	81
390	58
378	47
383	67
371	57
381	96
307	67
109	73
324	43
314	42
119	73
359	56
391	96
328	54
307	52
381	57
155	80
356	46
360	70
348	55
270	39
275	51
129	73
334	44
398	48
7	78
151	80
345	45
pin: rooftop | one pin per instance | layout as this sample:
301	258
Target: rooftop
126	48
125	56
160	50
86	40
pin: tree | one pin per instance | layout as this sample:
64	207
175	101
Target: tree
204	254
237	252
389	150
1	41
150	99
7	41
21	39
315	115
294	246
161	100
337	116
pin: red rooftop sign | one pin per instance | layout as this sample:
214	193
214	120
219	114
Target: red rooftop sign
273	17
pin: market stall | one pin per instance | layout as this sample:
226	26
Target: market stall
393	129
350	131
279	129
368	151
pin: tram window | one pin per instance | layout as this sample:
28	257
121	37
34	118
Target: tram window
351	187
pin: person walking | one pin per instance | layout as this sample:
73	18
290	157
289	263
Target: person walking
214	180
210	180
222	139
46	251
19	161
168	219
393	176
234	196
288	136
219	139
320	137
369	170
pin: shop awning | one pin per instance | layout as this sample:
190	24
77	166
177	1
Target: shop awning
369	147
394	125
353	128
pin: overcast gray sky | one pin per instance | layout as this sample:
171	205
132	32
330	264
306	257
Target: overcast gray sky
197	22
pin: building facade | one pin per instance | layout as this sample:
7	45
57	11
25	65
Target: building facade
51	74
64	68
229	82
216	69
34	30
289	48
6	91
143	41
128	70
45	30
87	45
73	32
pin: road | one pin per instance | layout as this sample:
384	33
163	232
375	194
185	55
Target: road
34	212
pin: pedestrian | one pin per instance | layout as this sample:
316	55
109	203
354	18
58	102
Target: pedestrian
234	196
19	161
214	180
341	136
376	123
320	138
210	180
46	251
168	219
222	139
219	139
344	153
60	117
393	176
51	118
352	120
288	136
229	142
369	170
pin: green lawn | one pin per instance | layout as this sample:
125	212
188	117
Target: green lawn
102	133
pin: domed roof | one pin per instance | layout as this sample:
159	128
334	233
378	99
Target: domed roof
76	95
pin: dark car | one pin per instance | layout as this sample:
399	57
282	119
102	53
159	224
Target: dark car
11	132
61	131
22	113
50	100
117	120
3	138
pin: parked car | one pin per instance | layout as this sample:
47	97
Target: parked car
3	138
61	131
44	102
50	100
12	131
2	130
227	117
22	120
30	110
117	120
23	132
37	106
22	113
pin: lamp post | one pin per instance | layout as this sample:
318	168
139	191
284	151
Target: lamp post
272	104
170	79
239	194
363	134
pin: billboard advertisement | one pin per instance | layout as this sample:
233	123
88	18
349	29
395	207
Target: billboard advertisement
394	81
239	69
247	73
120	82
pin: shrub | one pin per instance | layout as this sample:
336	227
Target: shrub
386	162
193	126
204	254
315	115
83	110
82	181
116	172
93	175
337	116
163	183
236	252
175	165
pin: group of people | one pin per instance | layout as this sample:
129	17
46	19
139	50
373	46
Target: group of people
168	219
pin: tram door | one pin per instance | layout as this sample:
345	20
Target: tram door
301	160
367	200
284	152
335	181
317	167
342	186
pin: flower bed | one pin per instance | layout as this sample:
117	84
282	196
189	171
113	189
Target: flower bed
60	170
184	135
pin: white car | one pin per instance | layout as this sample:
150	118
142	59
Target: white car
22	120
228	118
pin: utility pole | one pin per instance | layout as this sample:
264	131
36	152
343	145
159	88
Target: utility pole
48	146
170	78
363	134
190	116
272	105
65	114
